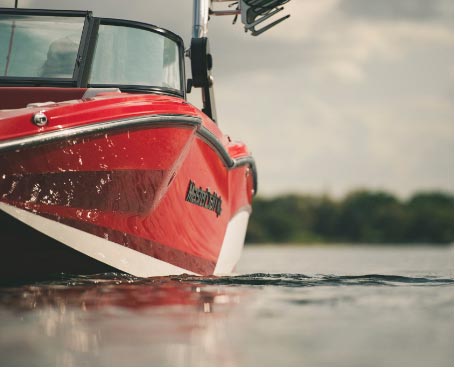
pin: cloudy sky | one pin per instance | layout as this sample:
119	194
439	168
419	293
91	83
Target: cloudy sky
345	94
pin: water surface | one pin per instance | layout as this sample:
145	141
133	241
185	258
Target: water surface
286	306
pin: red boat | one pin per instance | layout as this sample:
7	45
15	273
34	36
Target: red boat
104	165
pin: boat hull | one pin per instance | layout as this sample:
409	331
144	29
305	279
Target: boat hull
32	255
153	194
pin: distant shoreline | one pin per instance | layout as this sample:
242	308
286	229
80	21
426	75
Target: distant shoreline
364	217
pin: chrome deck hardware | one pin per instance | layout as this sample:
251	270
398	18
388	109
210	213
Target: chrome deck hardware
252	14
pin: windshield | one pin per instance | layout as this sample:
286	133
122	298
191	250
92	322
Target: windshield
134	56
75	49
39	46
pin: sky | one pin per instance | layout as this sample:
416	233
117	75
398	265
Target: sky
344	95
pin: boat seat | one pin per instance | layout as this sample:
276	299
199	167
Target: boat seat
20	97
61	59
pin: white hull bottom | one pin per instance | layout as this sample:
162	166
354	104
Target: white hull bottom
126	259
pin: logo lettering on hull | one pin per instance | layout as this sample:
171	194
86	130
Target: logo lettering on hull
203	198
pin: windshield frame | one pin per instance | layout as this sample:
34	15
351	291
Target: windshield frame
74	81
86	53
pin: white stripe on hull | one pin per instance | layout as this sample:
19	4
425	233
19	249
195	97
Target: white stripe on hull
126	259
234	239
113	254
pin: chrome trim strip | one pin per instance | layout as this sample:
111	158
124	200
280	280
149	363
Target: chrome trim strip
230	163
249	160
99	128
213	141
169	120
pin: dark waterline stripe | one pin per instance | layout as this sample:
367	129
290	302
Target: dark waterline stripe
132	191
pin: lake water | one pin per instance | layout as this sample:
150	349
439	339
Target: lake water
287	306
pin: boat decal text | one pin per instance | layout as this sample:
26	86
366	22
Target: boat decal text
203	198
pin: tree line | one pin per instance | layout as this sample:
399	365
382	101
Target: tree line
359	217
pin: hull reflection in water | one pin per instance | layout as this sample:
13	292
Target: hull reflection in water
116	319
352	306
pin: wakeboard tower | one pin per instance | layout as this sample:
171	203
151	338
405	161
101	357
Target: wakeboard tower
104	165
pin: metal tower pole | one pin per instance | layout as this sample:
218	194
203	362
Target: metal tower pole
201	59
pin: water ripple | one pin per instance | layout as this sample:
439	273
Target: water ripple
301	280
254	279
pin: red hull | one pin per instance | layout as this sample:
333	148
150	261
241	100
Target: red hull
119	167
